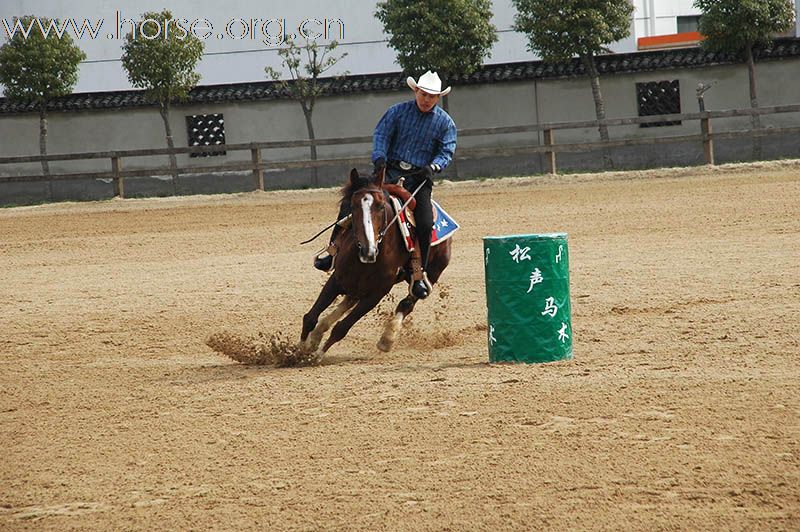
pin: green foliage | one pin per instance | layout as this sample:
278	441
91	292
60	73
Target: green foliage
446	36
38	68
318	60
735	25
559	30
164	66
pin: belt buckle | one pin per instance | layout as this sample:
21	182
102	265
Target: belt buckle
405	166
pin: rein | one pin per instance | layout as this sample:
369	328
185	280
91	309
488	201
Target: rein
337	222
386	227
397	215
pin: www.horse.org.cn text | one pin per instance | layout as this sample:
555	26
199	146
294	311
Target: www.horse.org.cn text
270	31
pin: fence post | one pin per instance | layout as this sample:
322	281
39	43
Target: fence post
258	172
119	181
550	156
708	141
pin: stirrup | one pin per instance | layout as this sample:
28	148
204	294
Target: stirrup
424	287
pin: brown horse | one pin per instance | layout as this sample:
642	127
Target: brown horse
371	259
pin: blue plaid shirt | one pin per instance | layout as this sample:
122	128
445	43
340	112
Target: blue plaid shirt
405	133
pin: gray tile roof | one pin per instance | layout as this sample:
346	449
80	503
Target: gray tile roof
693	57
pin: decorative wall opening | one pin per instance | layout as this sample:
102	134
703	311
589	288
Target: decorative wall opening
659	98
206	130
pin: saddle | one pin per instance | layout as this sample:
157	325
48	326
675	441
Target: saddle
399	196
443	226
400	193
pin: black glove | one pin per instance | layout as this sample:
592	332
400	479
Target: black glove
426	174
378	165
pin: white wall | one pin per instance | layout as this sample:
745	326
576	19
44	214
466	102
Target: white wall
231	61
227	60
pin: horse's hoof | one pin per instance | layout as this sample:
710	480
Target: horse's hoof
384	345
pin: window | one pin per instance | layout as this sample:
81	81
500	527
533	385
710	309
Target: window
206	130
659	98
687	24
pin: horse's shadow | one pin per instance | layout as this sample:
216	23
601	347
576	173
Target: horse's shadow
226	370
420	368
231	370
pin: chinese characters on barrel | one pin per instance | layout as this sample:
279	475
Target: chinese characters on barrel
519	254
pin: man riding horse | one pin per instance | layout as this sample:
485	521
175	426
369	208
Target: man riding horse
413	140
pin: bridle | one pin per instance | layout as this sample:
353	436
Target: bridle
384	226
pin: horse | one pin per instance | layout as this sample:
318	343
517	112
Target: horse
371	259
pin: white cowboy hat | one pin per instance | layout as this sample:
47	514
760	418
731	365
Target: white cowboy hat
428	82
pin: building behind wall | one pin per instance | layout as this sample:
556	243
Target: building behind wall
660	17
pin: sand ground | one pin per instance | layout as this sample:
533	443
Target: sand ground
680	409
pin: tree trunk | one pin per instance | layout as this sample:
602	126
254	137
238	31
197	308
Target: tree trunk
446	107
307	112
755	120
43	147
599	105
173	161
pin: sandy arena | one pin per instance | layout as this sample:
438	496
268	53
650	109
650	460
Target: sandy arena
680	410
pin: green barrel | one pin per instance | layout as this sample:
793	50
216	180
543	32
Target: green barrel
527	297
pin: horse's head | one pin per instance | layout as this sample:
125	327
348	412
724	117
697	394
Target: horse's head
370	214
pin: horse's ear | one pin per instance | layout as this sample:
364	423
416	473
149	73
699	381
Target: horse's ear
379	178
354	177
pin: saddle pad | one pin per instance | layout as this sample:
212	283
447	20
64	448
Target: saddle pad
443	224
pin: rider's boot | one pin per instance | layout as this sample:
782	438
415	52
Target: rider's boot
421	287
324	261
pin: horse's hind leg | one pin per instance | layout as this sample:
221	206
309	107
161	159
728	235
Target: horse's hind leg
440	258
389	336
315	337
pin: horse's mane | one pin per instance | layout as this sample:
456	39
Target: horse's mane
351	186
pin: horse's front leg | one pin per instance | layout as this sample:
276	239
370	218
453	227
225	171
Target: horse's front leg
315	337
330	291
341	329
389	336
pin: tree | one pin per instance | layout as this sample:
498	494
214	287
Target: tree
450	37
161	59
737	26
306	88
559	30
37	68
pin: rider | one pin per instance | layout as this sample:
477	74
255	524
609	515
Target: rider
414	139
